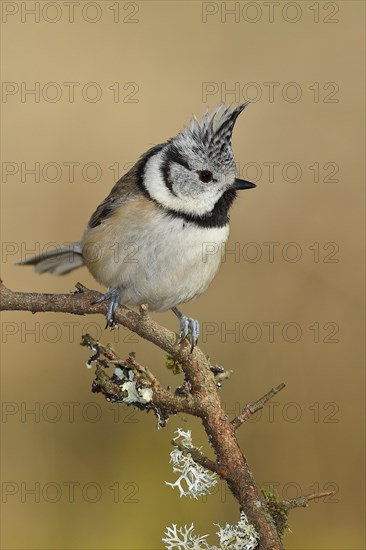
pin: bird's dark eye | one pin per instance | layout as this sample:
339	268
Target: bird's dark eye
205	176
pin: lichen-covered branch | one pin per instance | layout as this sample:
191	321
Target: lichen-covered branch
132	383
199	457
135	385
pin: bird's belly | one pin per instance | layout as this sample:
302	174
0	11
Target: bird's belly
173	266
167	263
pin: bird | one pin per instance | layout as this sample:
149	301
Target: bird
146	241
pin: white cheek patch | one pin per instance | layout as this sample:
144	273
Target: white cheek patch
155	185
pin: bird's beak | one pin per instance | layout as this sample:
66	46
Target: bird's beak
243	184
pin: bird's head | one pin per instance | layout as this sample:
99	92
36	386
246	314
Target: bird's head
194	170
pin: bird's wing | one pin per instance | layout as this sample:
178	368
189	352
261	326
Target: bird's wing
127	188
123	191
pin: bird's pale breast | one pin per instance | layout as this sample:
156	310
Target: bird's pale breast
154	257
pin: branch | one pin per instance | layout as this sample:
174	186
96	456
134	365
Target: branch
81	302
135	384
303	501
162	401
252	408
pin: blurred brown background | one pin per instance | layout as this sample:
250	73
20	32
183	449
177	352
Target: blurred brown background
111	79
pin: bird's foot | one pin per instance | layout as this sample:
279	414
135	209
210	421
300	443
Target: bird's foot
114	297
187	325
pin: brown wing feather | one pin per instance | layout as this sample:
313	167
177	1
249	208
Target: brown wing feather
126	188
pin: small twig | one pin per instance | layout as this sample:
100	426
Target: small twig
303	501
200	458
252	408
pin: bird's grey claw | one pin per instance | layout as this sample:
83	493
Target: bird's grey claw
189	326
114	298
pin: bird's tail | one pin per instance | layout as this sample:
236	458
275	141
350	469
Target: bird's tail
58	261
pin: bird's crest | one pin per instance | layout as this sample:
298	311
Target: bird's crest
211	135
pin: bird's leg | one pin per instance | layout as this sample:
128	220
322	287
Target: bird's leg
114	297
186	325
